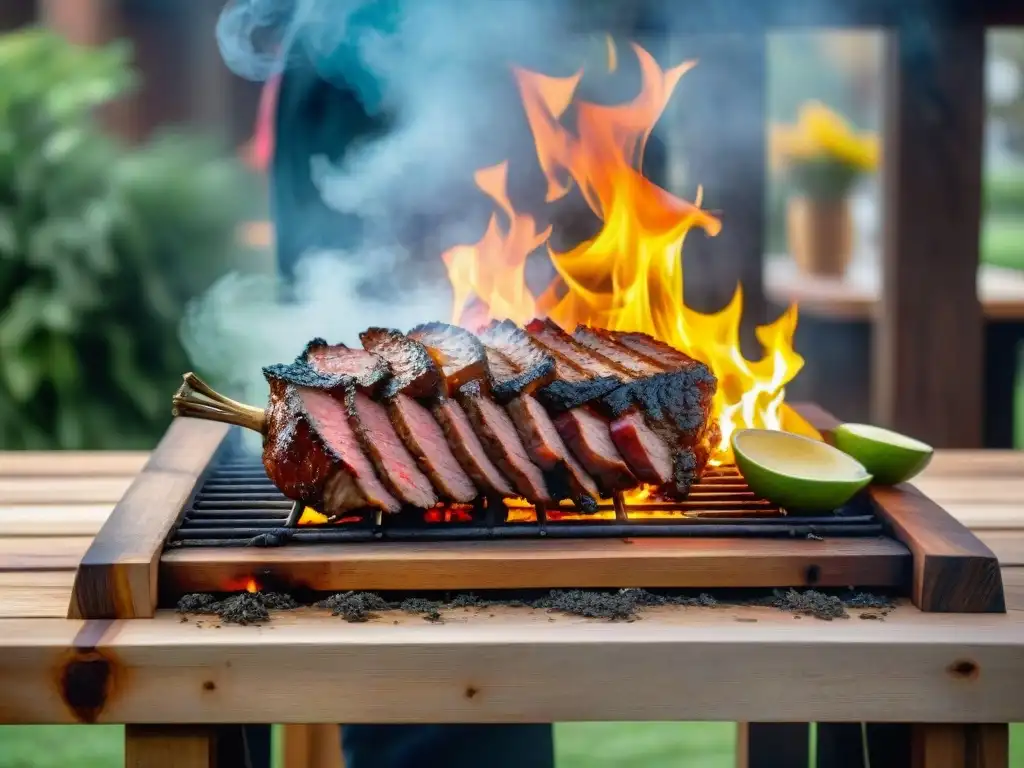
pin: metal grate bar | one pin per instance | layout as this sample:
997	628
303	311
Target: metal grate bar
238	505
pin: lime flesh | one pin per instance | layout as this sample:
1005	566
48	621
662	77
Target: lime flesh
889	456
795	472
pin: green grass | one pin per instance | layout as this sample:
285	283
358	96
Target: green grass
578	745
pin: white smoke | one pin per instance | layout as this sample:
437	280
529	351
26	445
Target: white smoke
443	73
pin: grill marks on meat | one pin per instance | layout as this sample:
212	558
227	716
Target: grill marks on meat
469	450
413	371
426	441
312	454
367	371
395	465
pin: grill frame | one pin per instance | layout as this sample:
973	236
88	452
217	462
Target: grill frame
132	567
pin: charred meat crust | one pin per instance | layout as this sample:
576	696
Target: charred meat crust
458	353
561	396
302	374
414	372
299	460
368	371
533	367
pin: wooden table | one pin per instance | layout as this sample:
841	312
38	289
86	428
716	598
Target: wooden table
744	664
838	325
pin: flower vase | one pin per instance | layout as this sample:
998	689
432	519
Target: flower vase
820	233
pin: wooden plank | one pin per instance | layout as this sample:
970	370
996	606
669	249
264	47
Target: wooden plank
35	595
519	665
979	490
953	570
182	746
949	745
974	463
1008	546
50	553
63	490
1013	583
980	517
50	464
53	520
117	577
928	366
312	745
695	563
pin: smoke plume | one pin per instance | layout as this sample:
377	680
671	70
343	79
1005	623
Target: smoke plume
440	73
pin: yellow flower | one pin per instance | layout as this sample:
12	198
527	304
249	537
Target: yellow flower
821	134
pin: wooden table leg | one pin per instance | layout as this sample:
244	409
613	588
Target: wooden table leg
170	746
315	745
948	745
772	745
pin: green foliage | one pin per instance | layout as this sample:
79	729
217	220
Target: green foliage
100	250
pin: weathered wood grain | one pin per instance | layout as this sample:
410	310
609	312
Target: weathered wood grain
50	464
29	553
696	563
518	665
185	746
63	490
117	576
53	519
35	595
953	570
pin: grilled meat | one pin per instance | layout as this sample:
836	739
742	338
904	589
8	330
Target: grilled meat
367	371
311	451
463	361
439	414
566	477
413	371
415	375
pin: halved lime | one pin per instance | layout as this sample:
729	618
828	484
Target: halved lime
889	456
796	472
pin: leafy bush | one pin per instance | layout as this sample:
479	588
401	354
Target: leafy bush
101	247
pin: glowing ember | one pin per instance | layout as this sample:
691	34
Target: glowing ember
251	586
629	276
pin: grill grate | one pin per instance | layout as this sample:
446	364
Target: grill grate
237	505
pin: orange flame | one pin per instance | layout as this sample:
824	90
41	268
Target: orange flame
251	586
629	276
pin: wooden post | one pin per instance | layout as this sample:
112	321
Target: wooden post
929	346
950	745
166	746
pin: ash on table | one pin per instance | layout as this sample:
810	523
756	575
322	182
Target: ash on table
241	608
828	607
355	607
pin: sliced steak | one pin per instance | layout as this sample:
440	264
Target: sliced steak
312	454
582	430
685	406
458	353
368	371
426	441
502	443
395	466
567	477
463	361
603	343
648	454
413	371
469	451
517	365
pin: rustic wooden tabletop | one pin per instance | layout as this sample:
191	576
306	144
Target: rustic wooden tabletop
743	664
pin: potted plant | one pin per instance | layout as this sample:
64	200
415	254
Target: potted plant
820	158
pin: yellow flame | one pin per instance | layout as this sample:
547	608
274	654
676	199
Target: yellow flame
251	586
629	277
